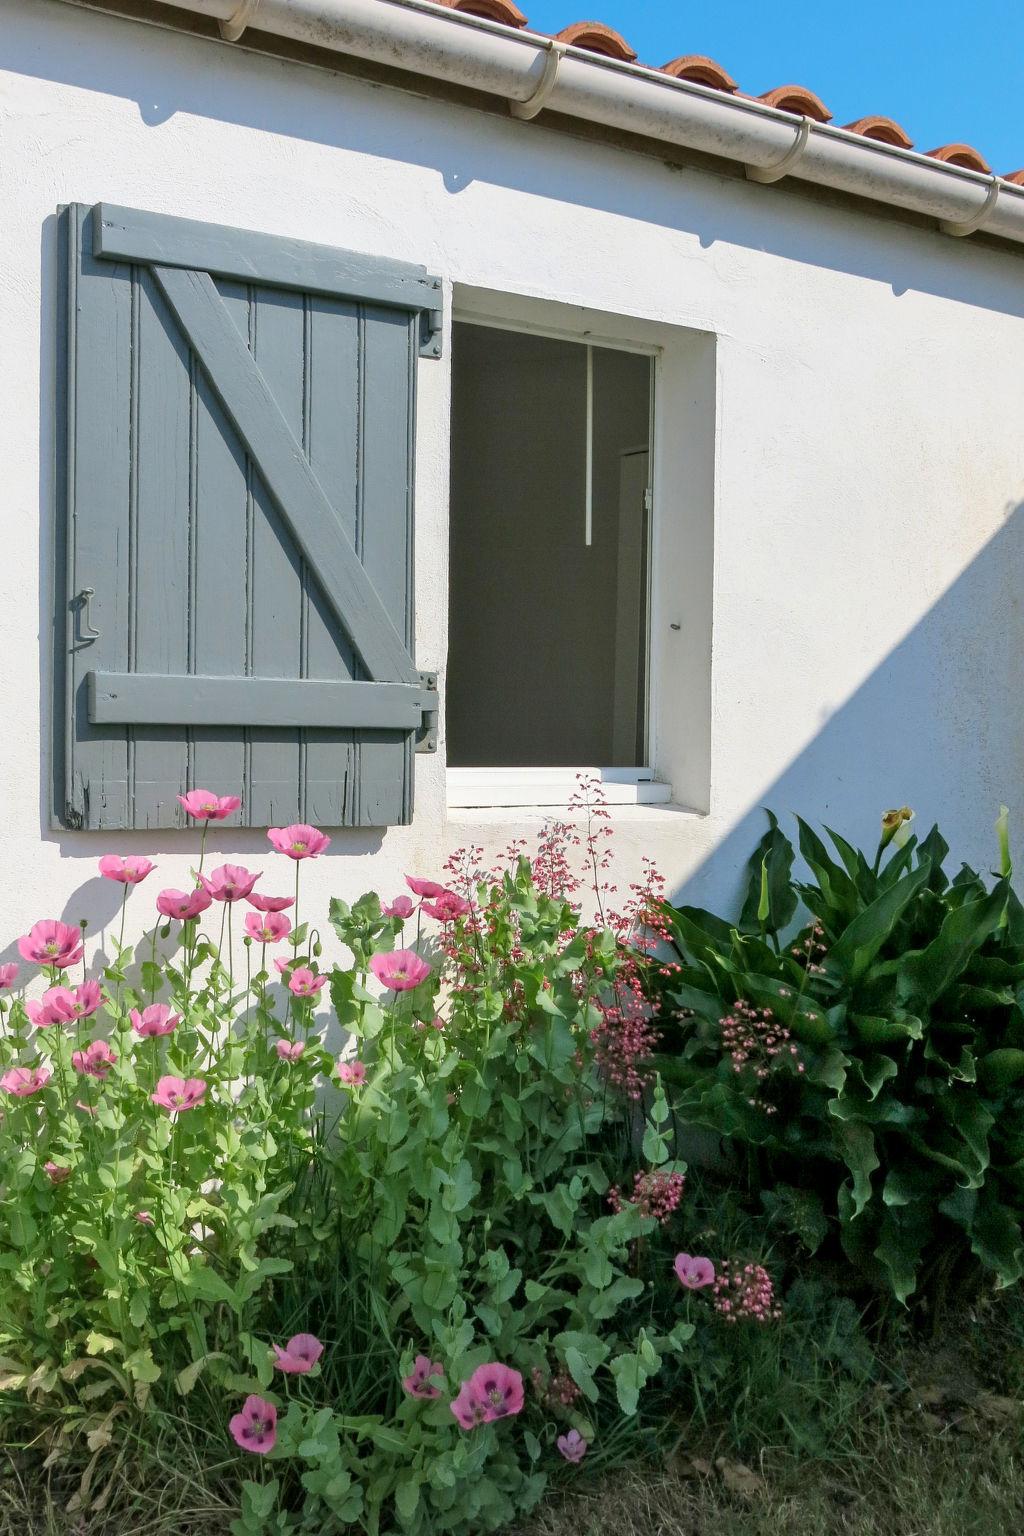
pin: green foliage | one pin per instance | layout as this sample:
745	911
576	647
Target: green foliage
871	1064
452	1203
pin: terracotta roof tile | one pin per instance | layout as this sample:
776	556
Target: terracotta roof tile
491	10
885	129
798	99
595	37
701	70
960	154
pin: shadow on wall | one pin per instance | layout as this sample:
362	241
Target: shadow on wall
938	726
158	71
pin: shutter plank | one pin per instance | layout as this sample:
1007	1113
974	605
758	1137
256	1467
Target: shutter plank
332	368
245	396
223	513
385	487
159	549
99	405
275	588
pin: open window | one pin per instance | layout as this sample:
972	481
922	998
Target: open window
548	668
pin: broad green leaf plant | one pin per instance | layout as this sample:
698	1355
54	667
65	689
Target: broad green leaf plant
869	1065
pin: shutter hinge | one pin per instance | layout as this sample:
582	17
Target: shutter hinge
426	736
432	320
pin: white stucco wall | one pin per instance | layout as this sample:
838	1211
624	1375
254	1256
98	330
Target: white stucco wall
870	453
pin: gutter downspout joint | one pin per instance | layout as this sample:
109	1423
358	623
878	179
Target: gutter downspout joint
770	173
232	29
536	103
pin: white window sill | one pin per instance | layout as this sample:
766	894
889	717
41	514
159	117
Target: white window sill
550	788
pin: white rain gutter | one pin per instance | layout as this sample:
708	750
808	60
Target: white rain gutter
532	72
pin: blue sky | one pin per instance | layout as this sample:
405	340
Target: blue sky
946	71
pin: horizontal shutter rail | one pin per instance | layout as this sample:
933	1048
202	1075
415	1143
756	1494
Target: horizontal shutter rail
128	234
134	698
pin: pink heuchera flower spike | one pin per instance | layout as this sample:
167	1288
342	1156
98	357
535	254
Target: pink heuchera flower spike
418	1382
267	927
270	903
304	984
289	1050
572	1446
95	1061
255	1428
352	1073
428	888
56	1172
157	1019
178	1093
299	1355
399	969
183	905
129	870
52	943
230	882
8	974
23	1081
402	907
694	1273
206	806
299	841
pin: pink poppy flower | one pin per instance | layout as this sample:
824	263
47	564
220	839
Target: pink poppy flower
62	1005
492	1392
304	984
144	1219
299	1355
157	1019
183	905
402	907
229	882
178	1093
267	927
694	1273
428	888
285	966
255	1428
418	1382
8	973
468	1407
56	1172
270	903
21	1081
299	841
572	1446
289	1050
500	1388
206	806
129	870
400	969
352	1073
447	907
52	943
95	1061
42	1011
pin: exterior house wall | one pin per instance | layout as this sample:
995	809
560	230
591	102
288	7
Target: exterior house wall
867	403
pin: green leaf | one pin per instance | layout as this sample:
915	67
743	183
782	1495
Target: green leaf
771	899
925	974
1001	1068
857	1145
407	1498
862	939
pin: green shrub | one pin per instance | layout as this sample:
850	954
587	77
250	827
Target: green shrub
869	1067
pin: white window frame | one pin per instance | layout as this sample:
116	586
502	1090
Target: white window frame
680	563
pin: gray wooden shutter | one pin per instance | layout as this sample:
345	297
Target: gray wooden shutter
235	534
